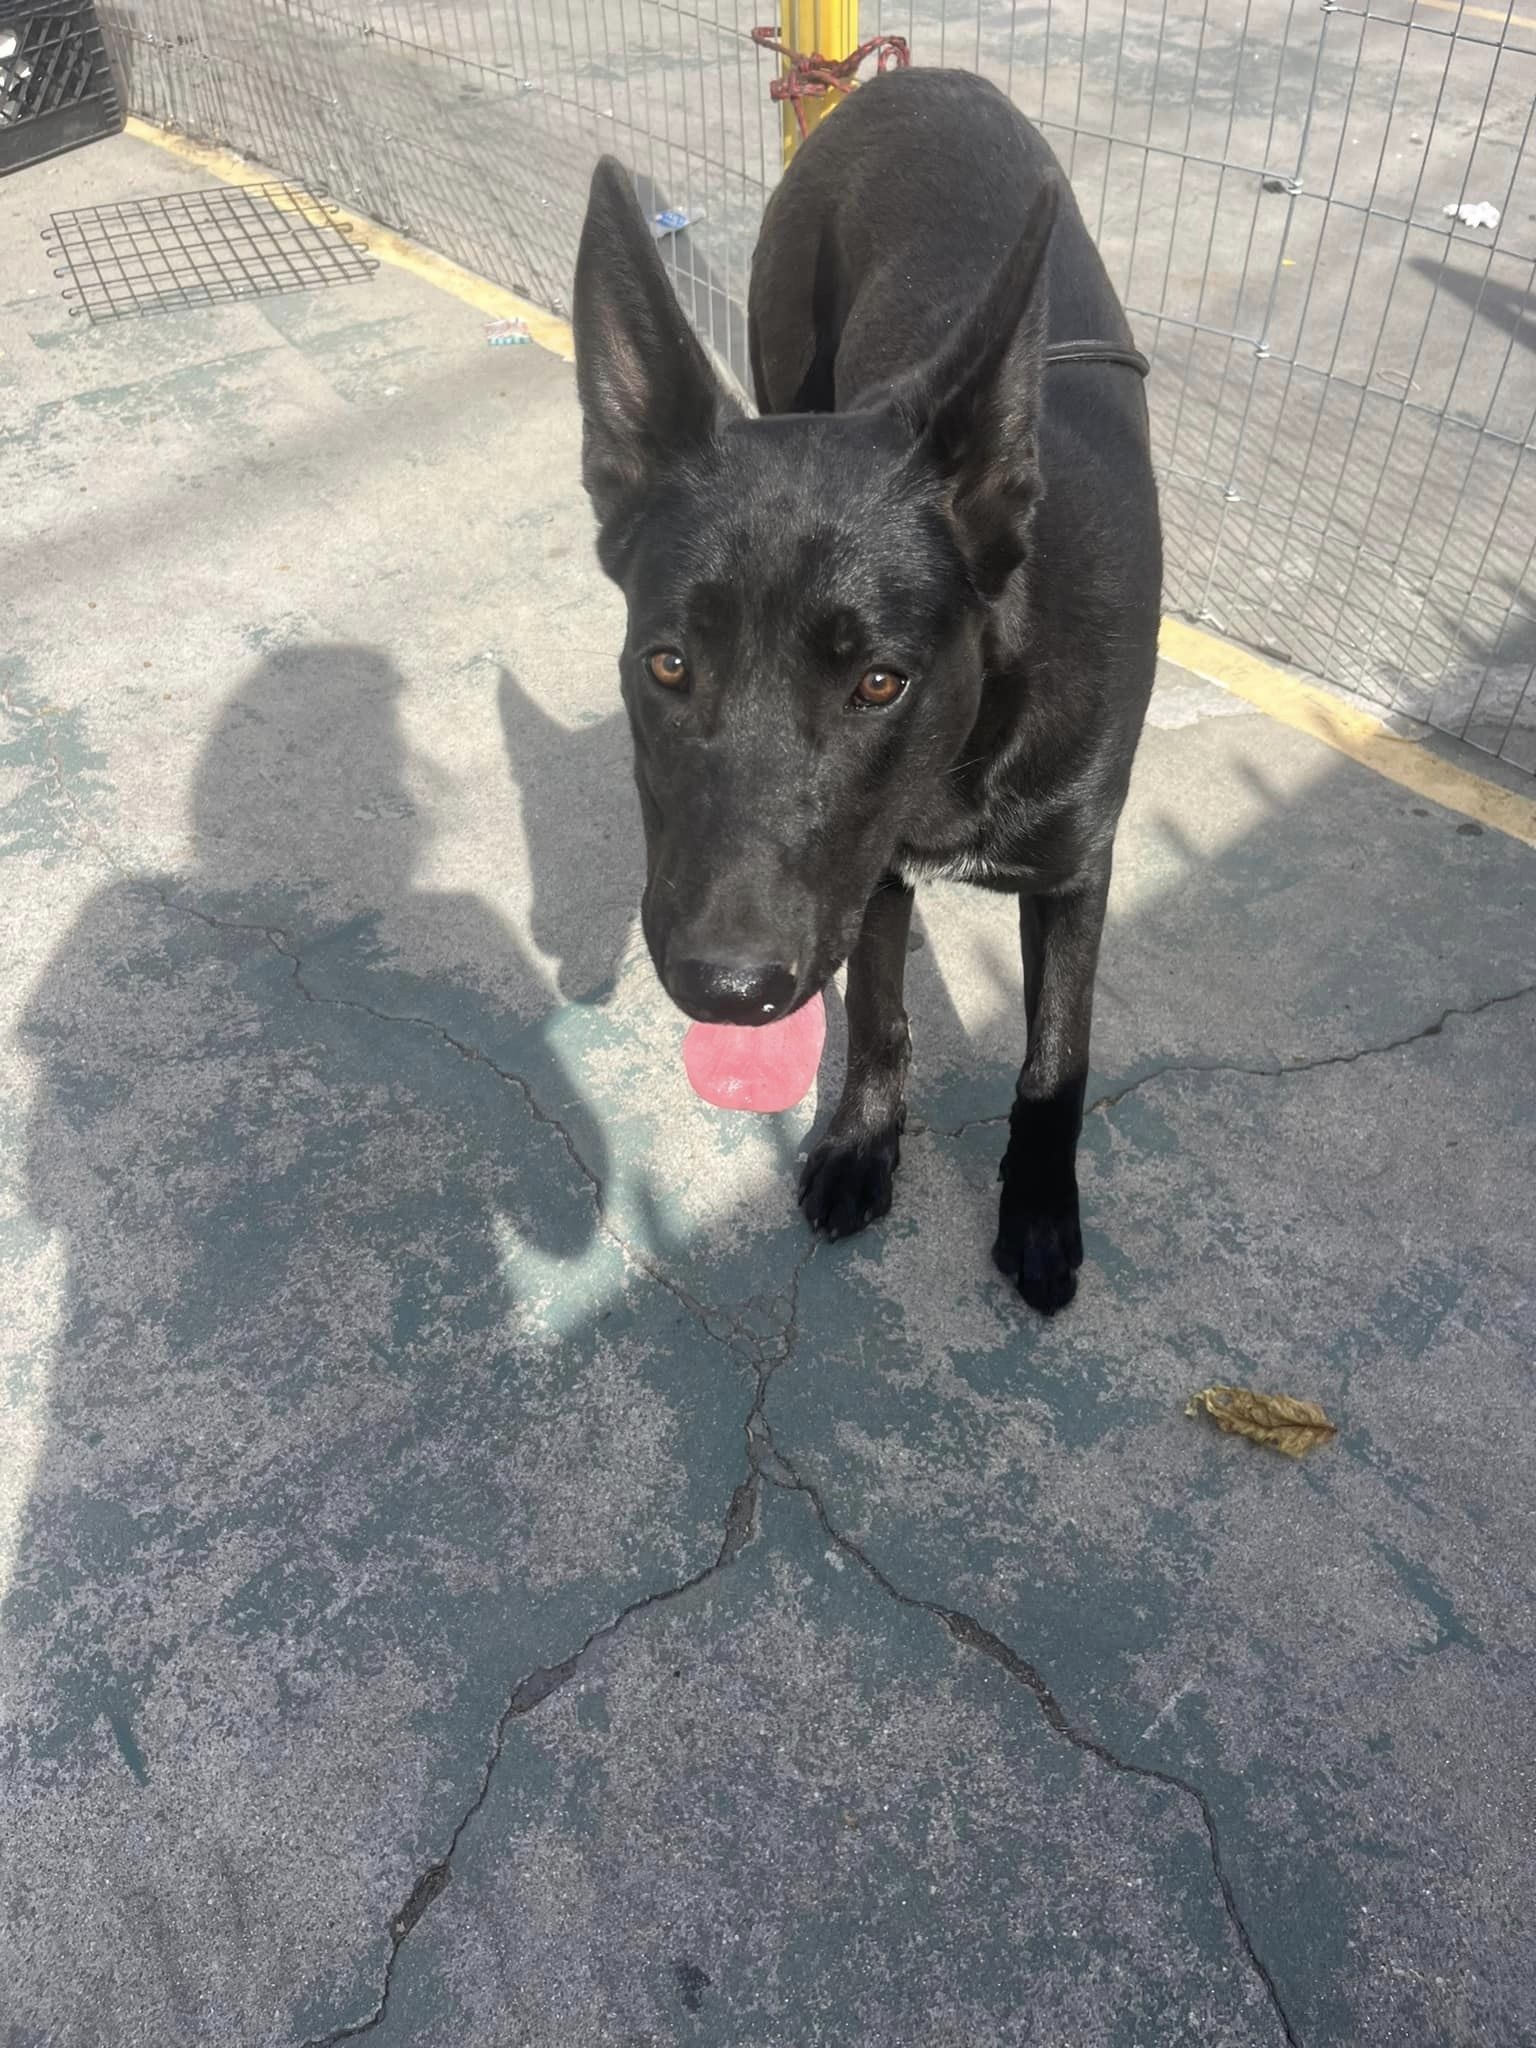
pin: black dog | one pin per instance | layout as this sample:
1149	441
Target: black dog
903	624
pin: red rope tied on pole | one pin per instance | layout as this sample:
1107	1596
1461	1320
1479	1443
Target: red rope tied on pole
813	77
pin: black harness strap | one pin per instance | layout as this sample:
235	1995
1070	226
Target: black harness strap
1097	352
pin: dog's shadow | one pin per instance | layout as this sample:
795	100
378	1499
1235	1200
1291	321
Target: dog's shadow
581	827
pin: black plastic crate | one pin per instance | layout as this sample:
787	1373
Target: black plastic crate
56	84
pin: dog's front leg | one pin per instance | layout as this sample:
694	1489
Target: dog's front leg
1039	1233
847	1179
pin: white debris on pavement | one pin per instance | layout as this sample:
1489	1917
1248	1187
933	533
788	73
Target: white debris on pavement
1474	213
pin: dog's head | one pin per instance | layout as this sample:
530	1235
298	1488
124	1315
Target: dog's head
807	596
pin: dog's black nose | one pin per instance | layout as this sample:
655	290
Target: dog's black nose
716	993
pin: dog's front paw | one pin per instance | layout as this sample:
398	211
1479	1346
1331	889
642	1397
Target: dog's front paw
1040	1250
847	1182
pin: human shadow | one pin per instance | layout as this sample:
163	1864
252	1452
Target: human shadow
210	1131
350	1408
580	845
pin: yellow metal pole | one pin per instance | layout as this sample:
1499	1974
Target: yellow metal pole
825	28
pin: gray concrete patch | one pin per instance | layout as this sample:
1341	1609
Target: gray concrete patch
789	1808
1337	1654
403	1586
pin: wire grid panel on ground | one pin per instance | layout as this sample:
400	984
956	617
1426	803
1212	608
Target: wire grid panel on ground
1344	392
202	248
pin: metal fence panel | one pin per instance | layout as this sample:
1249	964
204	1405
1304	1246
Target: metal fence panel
1344	395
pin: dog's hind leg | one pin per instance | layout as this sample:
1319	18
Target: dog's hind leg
1039	1231
847	1179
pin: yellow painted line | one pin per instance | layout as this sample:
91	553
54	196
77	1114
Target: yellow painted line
1480	13
547	329
1348	731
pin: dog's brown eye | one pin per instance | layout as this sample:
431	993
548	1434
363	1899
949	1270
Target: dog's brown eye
668	667
878	687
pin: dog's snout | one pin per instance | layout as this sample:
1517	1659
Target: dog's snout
719	992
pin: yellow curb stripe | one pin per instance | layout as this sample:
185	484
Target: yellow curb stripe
1479	14
1338	725
547	329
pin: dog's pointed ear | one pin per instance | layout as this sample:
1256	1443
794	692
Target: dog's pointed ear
974	408
648	394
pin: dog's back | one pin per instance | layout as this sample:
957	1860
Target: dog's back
894	218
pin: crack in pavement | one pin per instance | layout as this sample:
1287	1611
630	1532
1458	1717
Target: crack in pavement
974	1635
764	1461
766	1464
1273	1070
531	1691
741	1510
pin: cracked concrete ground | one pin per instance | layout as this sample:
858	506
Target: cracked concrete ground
471	1572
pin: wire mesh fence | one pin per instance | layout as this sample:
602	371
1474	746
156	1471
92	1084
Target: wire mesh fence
1321	217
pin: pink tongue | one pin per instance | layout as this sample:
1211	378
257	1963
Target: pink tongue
757	1066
